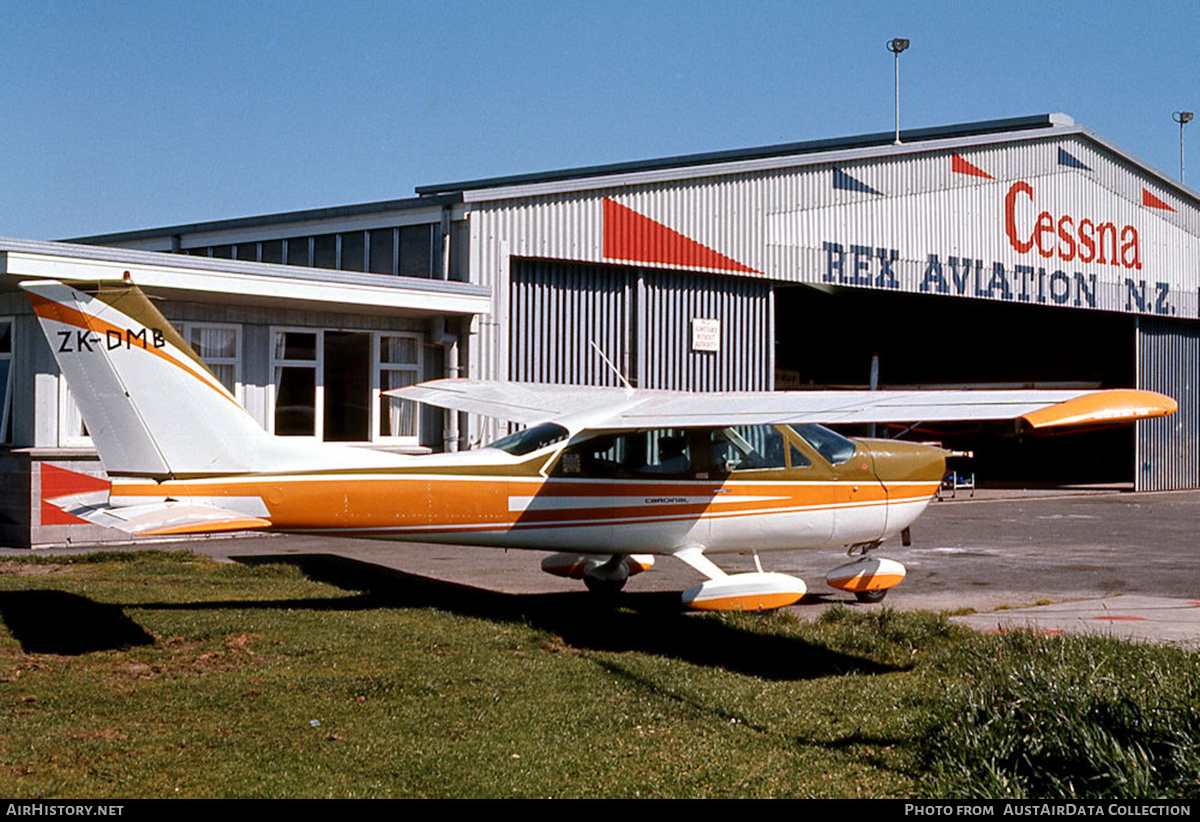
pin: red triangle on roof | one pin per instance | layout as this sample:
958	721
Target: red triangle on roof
634	237
961	166
1150	200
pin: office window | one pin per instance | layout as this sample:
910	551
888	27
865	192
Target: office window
329	384
297	251
416	250
399	366
324	251
383	248
354	250
272	251
220	346
294	365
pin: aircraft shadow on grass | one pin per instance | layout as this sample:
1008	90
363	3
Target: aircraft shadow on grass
66	624
646	622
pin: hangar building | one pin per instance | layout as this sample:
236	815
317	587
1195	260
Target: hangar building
1017	252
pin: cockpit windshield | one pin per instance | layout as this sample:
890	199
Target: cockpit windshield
831	445
531	439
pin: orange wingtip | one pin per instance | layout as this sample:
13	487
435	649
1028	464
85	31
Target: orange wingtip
1103	407
206	527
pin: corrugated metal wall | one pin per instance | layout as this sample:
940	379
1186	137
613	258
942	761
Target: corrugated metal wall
641	318
671	300
1168	450
557	311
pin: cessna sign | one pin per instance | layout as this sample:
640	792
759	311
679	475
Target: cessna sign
1069	238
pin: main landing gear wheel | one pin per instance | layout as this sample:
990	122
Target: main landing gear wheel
871	596
604	587
608	579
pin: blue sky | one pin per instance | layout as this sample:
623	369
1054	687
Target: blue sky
125	115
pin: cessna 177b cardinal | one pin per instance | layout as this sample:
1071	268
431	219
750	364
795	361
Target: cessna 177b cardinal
607	478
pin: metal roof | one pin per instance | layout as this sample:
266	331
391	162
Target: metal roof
1040	121
331	212
154	269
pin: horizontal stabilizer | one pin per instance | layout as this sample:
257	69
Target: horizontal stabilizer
159	518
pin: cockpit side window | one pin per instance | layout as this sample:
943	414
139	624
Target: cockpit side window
747	448
831	445
799	459
531	439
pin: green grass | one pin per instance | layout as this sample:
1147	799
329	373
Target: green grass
1068	718
153	674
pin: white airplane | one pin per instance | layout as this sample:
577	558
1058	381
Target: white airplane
607	478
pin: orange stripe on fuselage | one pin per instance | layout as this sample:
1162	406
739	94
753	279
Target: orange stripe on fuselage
433	503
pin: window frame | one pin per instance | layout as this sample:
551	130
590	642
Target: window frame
70	419
238	390
375	391
378	367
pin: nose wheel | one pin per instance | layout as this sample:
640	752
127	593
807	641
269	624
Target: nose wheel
868	578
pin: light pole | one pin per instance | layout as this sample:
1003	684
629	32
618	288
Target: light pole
895	46
1183	118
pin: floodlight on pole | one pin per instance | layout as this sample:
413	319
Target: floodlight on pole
895	46
1183	118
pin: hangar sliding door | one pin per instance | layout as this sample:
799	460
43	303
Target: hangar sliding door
663	329
671	302
1168	449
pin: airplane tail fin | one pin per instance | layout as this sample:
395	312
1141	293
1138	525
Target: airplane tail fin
152	407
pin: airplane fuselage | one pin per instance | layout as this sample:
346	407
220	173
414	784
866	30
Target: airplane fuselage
481	498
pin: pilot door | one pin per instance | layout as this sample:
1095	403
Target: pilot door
772	490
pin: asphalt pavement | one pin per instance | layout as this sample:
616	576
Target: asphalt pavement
1116	563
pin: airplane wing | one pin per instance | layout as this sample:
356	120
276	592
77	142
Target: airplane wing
157	518
1042	409
525	403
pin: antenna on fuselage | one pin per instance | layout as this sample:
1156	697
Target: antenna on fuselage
609	363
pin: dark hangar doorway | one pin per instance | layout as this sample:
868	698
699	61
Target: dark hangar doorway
826	337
